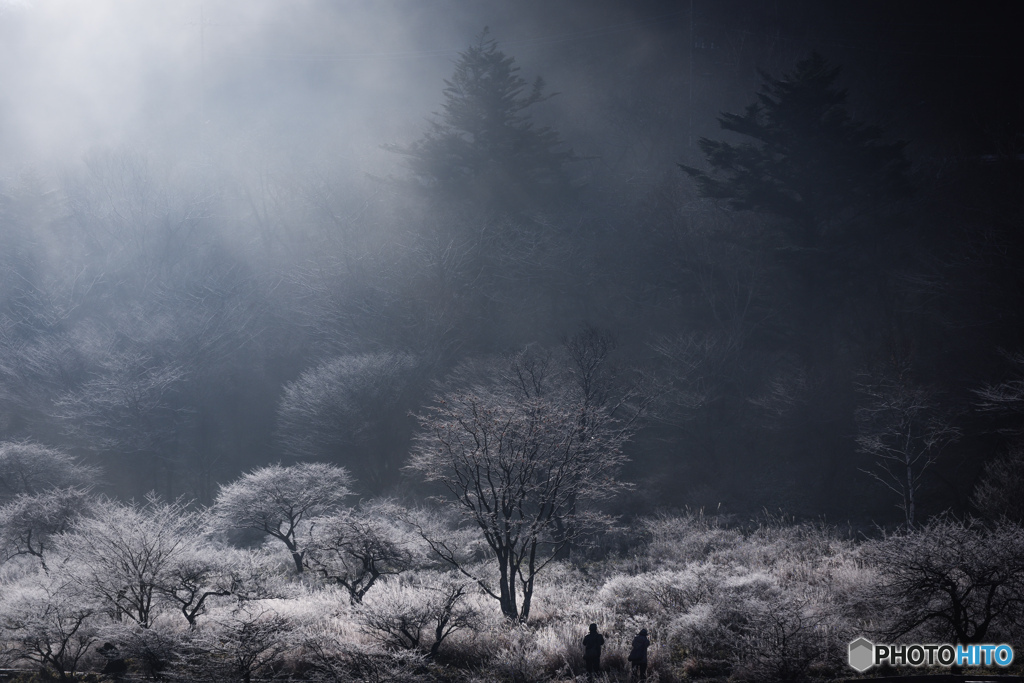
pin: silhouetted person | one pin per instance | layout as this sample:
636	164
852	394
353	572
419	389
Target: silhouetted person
592	643
638	655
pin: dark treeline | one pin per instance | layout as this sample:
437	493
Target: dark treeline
805	278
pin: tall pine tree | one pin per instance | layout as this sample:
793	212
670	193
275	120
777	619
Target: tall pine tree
828	181
805	159
483	146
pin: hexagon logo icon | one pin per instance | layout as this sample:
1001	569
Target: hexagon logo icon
862	654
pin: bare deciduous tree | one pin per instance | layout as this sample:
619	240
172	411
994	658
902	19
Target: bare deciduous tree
30	521
523	457
200	572
1006	397
33	373
122	555
783	637
249	642
46	621
354	548
959	581
998	492
903	427
27	468
127	406
276	500
349	409
403	613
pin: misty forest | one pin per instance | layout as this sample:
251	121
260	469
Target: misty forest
404	340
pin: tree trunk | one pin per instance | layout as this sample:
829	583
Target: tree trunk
909	498
298	561
507	598
296	555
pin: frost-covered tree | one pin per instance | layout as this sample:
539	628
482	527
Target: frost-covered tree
783	635
128	406
248	642
524	457
955	581
46	620
123	555
27	468
29	522
350	409
200	572
354	548
33	374
275	500
1006	397
902	426
997	493
427	608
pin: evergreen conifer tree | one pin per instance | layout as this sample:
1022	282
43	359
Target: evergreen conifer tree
483	145
805	159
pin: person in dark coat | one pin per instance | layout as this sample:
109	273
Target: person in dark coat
638	656
592	643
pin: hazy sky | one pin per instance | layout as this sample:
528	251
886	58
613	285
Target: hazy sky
349	74
340	77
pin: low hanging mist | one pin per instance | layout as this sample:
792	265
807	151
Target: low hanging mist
406	339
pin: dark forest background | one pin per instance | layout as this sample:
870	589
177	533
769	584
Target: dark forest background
275	248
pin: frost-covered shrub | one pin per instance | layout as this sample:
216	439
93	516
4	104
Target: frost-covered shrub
734	594
516	658
660	593
249	641
336	649
754	623
752	602
147	651
679	539
311	606
263	573
408	612
343	663
785	637
699	640
775	602
558	646
776	542
567	594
